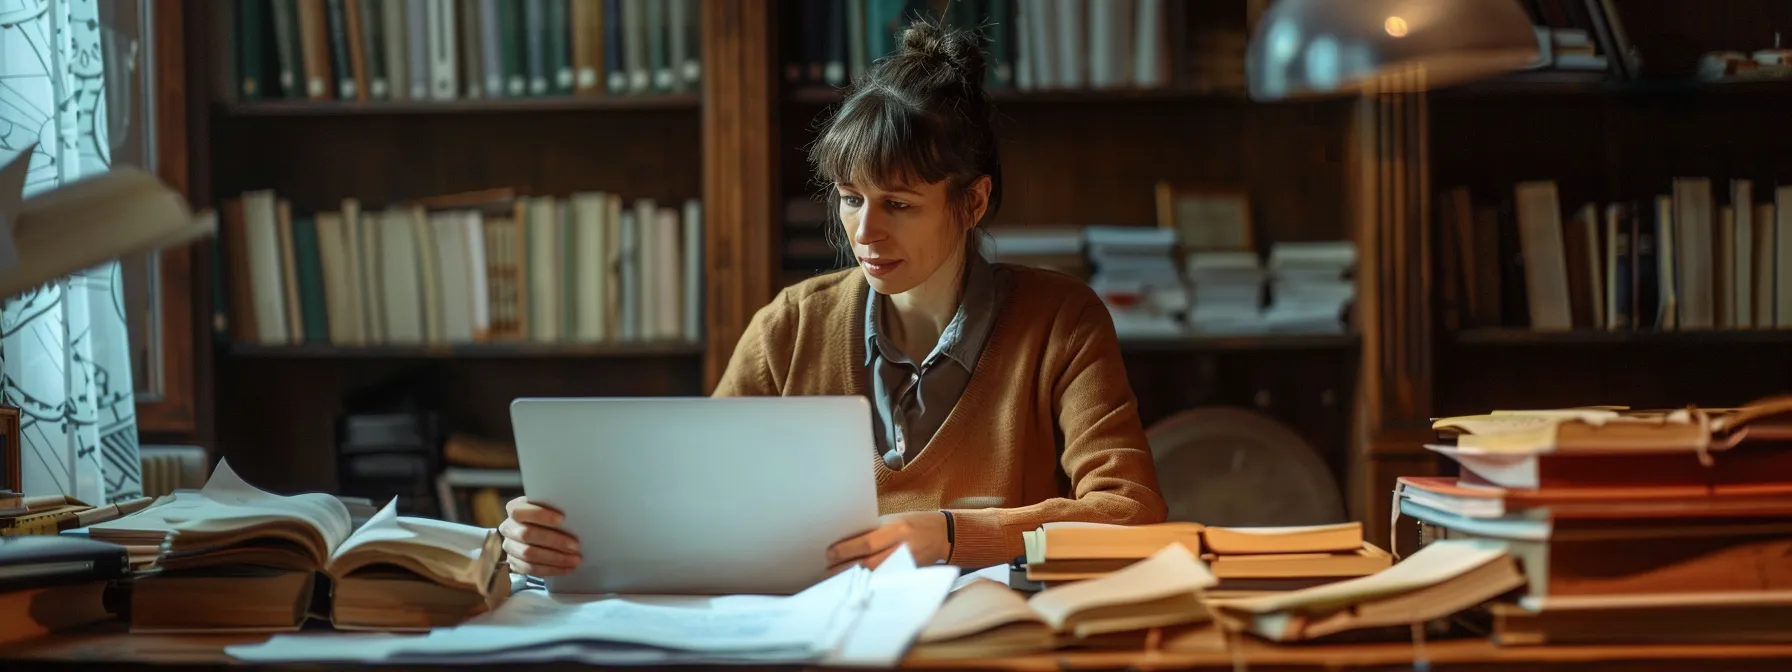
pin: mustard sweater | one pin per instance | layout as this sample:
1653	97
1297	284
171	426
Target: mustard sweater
1050	375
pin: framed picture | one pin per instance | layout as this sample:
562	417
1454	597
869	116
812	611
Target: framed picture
12	470
1206	218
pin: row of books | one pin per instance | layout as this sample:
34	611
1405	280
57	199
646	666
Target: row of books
1032	44
467	268
1705	255
361	50
1630	525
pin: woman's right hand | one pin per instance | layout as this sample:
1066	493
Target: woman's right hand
534	541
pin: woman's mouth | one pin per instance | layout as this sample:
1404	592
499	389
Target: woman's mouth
878	268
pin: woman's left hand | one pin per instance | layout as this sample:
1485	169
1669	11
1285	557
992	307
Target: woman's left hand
923	531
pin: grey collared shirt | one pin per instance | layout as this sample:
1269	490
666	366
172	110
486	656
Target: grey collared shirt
912	400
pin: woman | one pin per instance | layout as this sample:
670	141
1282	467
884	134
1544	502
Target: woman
1000	398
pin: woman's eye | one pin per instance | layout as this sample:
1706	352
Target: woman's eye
897	205
852	201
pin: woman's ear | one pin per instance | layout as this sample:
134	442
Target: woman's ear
979	199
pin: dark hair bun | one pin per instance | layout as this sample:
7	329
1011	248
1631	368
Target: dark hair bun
960	50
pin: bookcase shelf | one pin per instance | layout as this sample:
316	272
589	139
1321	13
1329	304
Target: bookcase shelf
1527	337
1574	84
304	108
469	351
824	95
1241	343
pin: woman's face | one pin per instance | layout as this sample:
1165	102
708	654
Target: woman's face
903	234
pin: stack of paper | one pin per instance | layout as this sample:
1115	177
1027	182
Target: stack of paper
857	617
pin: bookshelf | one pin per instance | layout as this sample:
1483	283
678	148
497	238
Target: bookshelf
305	108
273	404
1510	336
1601	139
733	141
468	351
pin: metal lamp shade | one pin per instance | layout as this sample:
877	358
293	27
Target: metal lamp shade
1316	48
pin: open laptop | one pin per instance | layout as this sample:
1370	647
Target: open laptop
707	496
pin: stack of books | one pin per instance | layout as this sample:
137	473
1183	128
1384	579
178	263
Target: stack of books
1249	560
1059	248
1311	286
1227	288
1630	525
1136	276
1244	560
233	557
1066	552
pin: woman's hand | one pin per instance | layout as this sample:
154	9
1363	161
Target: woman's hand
923	531
534	541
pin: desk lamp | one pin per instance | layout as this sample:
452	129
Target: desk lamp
1325	48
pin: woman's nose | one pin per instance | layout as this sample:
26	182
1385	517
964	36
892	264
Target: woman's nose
869	227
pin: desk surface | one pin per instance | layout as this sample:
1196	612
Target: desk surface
114	649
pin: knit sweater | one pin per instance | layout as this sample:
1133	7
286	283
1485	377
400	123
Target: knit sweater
1047	428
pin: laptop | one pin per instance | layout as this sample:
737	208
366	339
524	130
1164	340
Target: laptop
699	496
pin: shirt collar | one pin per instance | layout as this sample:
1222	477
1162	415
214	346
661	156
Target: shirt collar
963	337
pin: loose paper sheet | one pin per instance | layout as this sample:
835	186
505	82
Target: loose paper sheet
856	618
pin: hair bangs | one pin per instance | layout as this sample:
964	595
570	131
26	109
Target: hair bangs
879	141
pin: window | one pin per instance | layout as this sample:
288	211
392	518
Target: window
129	140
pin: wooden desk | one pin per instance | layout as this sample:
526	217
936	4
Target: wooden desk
112	649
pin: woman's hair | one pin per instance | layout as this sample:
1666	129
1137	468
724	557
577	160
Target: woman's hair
919	116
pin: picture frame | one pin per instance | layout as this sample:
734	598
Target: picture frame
12	446
1206	217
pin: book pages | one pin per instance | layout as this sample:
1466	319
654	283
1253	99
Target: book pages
1438	562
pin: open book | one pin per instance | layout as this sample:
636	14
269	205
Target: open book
1441	579
119	213
235	557
988	619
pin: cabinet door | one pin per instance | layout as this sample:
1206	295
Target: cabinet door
147	119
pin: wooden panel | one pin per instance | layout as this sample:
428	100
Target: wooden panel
1390	142
316	161
740	173
176	412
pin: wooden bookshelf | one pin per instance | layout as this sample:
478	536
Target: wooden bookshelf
1201	343
304	108
1504	336
469	351
1602	140
816	94
1598	84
